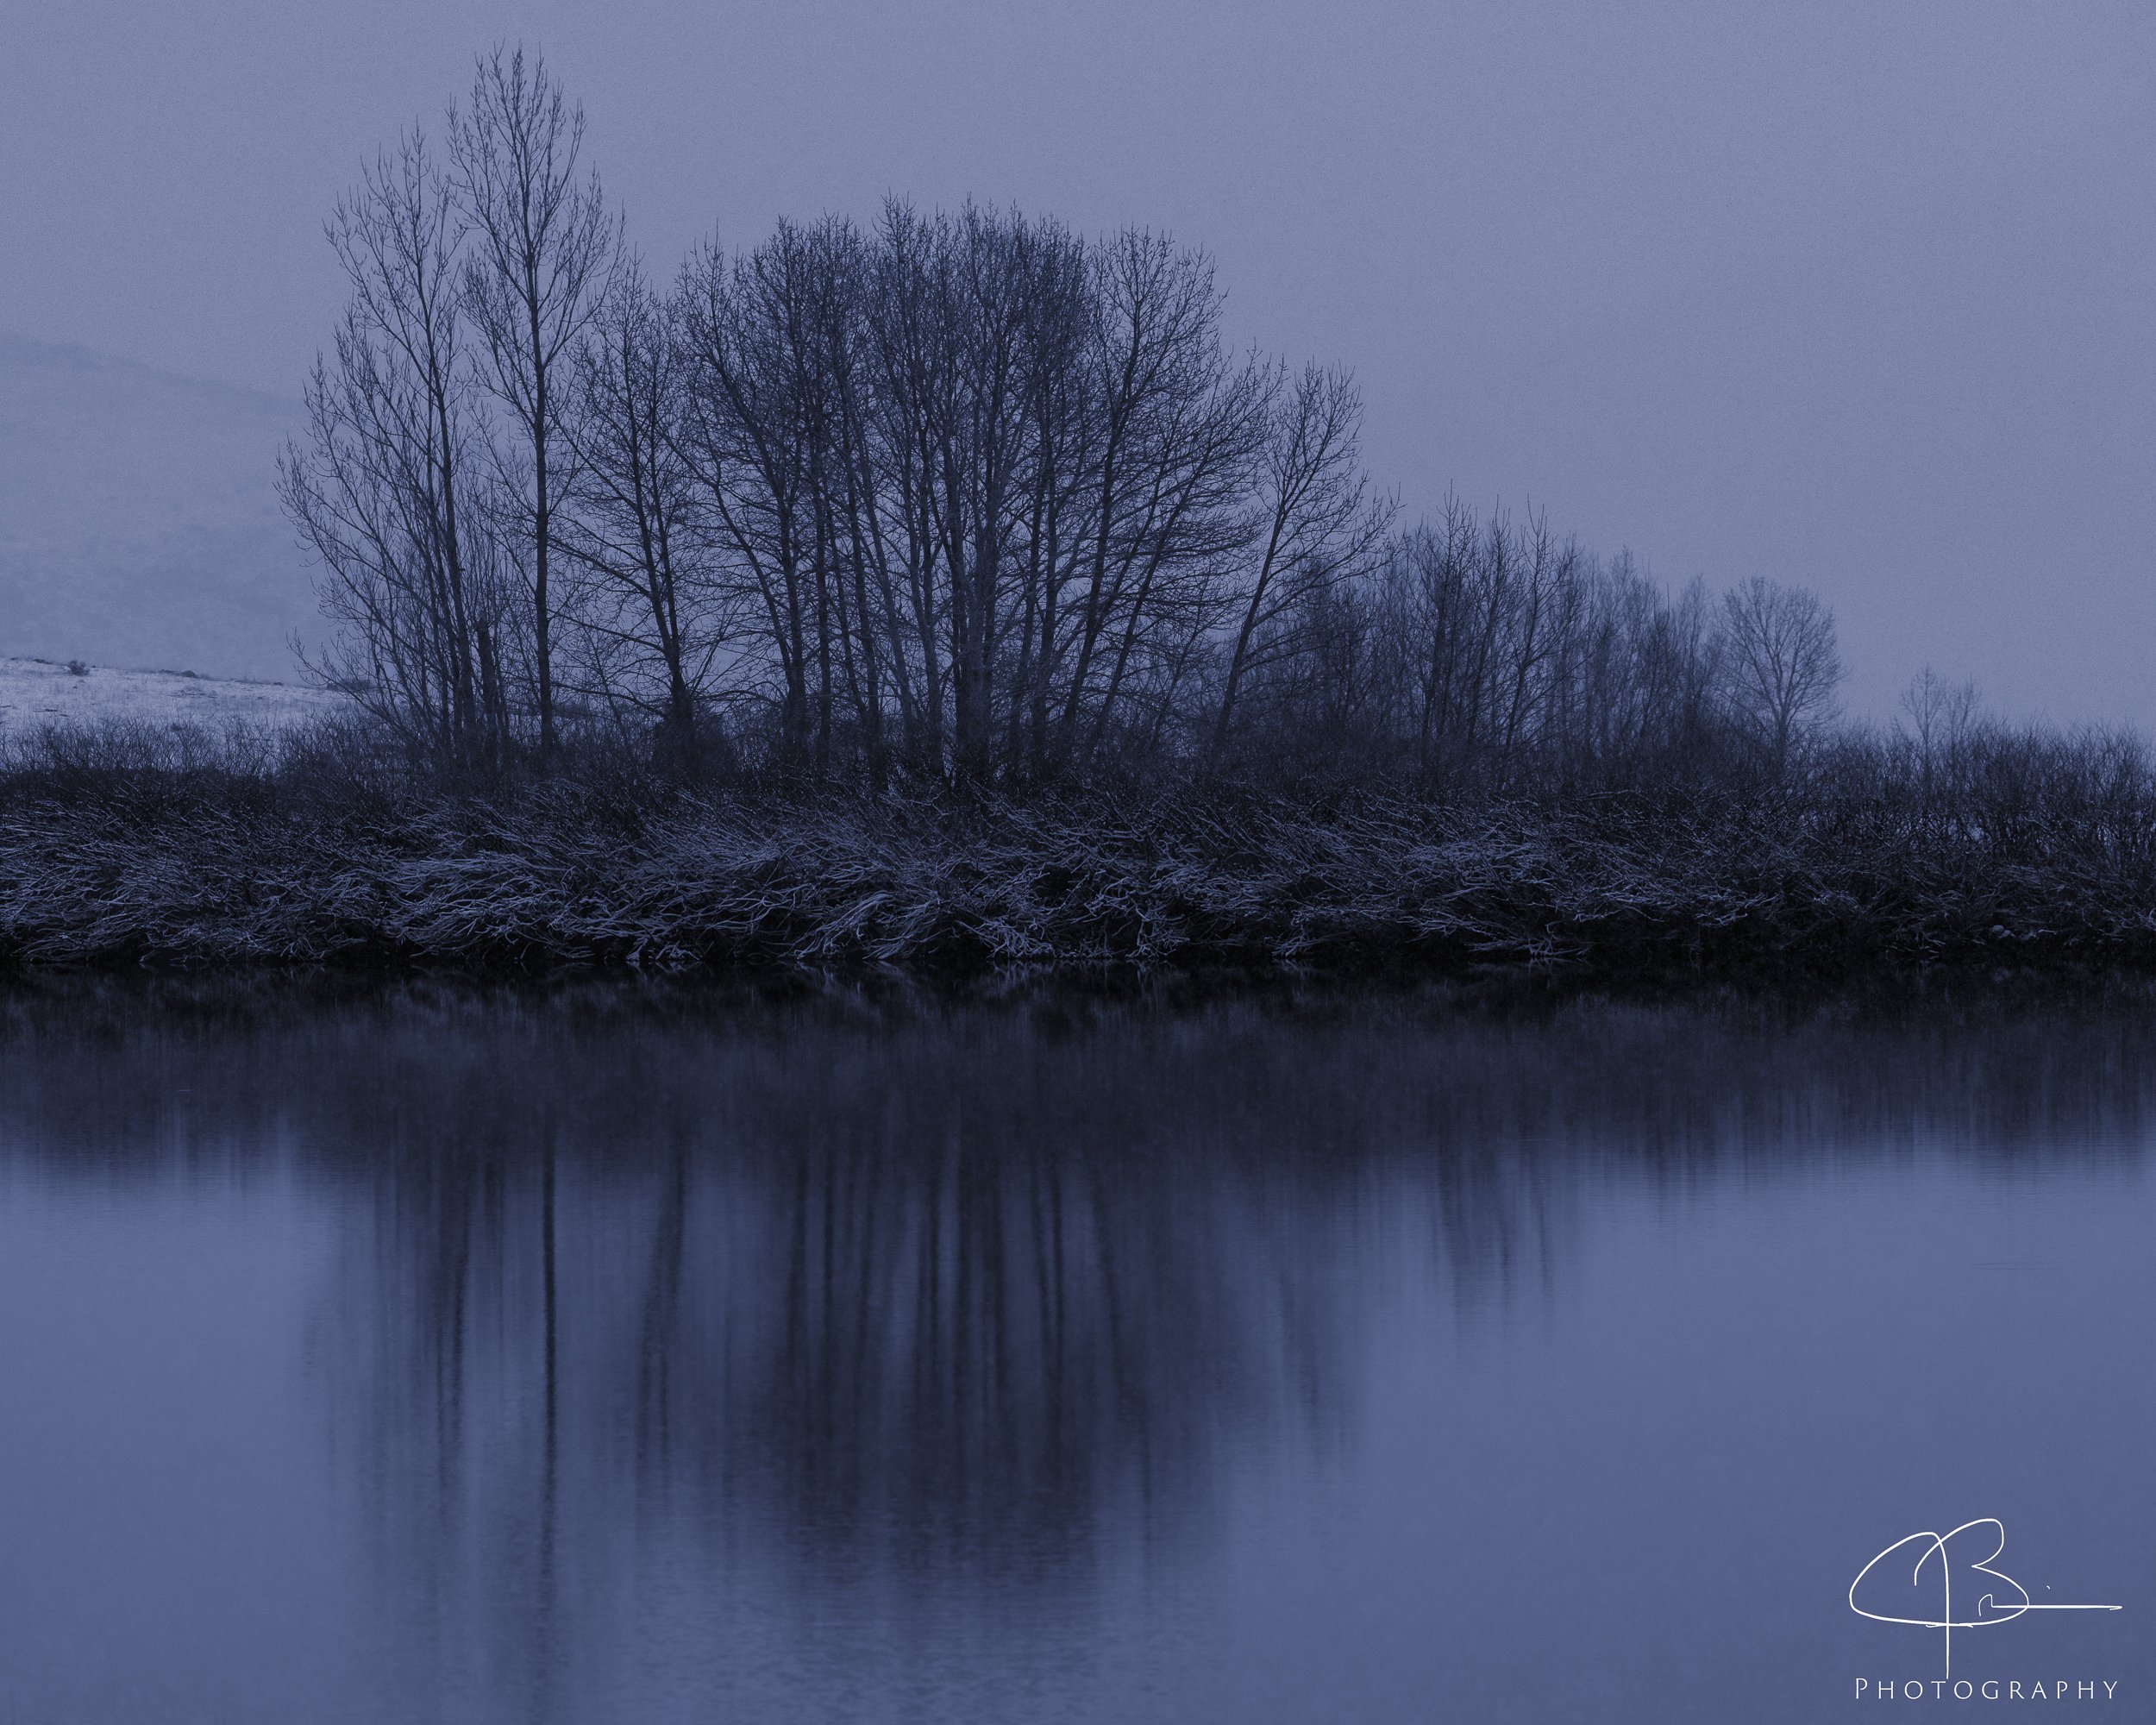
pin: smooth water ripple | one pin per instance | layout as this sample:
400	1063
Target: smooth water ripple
425	1355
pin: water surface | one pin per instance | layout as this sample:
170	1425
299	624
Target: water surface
613	1355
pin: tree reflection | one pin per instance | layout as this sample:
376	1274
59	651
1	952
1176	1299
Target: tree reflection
932	1315
941	1298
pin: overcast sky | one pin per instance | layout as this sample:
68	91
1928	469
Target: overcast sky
1853	296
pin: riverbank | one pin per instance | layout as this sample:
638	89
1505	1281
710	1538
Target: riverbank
1614	887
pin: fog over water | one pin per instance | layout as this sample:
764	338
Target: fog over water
1852	296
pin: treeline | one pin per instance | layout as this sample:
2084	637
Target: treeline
951	498
946	591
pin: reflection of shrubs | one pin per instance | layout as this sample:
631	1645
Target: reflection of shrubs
77	669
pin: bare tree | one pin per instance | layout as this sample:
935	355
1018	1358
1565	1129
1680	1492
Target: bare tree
655	625
752	416
544	256
1313	526
966	495
1781	664
380	492
963	344
1504	654
985	485
1941	715
1165	508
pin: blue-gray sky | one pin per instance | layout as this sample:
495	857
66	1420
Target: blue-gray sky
1856	296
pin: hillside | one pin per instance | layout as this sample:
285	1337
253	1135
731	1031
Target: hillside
37	692
139	522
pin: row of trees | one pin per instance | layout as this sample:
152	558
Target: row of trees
1482	650
960	496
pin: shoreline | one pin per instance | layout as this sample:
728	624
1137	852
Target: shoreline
1616	890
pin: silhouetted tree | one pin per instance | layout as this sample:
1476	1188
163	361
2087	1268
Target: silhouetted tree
768	338
543	254
381	490
959	495
1781	663
1313	528
654	625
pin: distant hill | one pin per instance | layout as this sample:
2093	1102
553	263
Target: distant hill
35	693
139	522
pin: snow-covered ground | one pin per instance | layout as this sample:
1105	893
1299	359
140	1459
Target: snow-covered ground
37	691
139	519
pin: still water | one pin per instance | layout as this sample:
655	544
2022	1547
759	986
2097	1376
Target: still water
616	1356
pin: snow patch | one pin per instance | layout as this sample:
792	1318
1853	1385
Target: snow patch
35	693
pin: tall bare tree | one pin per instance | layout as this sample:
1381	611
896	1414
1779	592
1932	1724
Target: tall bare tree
656	623
1313	526
381	489
752	417
986	486
1178	426
544	254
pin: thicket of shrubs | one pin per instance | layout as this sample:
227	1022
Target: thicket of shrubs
331	846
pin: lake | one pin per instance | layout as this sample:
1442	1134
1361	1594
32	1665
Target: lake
611	1353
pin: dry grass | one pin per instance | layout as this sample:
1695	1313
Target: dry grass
226	872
